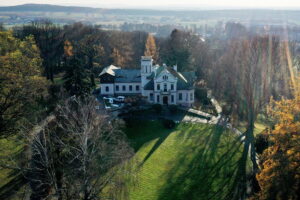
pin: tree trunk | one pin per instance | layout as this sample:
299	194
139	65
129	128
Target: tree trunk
251	139
90	67
92	78
47	72
90	62
59	175
51	74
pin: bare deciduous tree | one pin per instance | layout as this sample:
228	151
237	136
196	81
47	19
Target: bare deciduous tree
247	80
81	155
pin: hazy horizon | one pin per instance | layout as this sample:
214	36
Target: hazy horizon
168	4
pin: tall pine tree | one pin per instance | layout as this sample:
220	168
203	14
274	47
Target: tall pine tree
77	78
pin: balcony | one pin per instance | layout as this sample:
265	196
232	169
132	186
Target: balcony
165	92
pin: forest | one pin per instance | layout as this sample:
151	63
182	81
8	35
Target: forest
56	145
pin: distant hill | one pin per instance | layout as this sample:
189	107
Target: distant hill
200	13
47	8
57	8
21	14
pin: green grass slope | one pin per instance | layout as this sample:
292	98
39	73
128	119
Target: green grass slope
8	149
192	161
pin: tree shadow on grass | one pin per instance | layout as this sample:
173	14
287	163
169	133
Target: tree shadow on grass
144	131
204	169
161	139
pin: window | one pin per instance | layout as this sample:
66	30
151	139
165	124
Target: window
117	88
172	98
107	89
172	86
124	87
157	98
137	88
165	87
151	96
180	96
187	96
158	87
165	77
130	87
191	96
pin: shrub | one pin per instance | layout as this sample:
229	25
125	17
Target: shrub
226	110
261	142
96	91
129	122
169	124
54	90
201	95
173	109
157	108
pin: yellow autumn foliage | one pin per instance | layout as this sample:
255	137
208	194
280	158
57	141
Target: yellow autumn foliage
279	177
68	48
150	47
21	80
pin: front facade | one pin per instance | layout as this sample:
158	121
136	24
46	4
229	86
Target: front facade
158	84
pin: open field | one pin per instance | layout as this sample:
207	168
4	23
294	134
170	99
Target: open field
192	161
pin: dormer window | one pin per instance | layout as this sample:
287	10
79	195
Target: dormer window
165	77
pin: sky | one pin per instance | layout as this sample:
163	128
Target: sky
173	4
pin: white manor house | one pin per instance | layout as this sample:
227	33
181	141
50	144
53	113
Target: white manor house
158	84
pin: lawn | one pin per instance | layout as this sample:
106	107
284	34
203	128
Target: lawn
258	127
192	161
59	80
8	150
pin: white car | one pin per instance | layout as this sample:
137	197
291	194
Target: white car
120	99
110	100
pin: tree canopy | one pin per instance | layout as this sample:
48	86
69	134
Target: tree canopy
280	162
150	48
21	80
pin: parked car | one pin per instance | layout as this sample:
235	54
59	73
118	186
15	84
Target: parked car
120	99
108	99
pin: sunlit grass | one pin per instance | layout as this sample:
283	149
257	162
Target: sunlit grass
8	148
190	162
258	127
